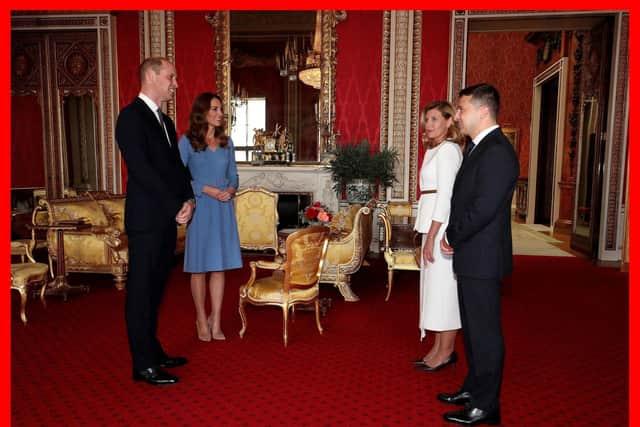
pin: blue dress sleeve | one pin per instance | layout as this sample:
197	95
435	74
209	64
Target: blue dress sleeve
186	152
232	168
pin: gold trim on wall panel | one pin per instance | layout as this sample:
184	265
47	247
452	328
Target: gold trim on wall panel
415	104
458	55
171	56
220	22
402	98
384	81
158	39
616	138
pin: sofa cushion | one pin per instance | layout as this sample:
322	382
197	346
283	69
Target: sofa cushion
88	211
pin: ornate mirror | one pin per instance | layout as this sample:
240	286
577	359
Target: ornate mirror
275	71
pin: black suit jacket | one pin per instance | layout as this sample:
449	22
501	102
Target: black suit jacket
158	183
479	227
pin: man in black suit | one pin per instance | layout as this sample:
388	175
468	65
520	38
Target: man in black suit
479	238
159	194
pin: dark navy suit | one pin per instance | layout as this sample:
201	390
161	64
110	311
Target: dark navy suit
479	231
158	185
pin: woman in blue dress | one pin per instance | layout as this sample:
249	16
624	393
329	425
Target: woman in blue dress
212	244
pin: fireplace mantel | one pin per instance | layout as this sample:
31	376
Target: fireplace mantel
291	179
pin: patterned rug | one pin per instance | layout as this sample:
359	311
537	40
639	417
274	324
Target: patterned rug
565	326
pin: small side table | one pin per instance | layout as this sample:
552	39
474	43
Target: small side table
60	285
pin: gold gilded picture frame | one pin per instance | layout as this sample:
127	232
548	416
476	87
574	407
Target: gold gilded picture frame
512	135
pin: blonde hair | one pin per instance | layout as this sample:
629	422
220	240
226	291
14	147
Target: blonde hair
447	111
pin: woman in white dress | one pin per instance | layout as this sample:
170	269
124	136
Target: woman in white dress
439	310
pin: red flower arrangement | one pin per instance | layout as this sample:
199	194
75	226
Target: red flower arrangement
317	214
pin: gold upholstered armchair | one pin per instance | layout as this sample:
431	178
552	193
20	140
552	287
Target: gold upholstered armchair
349	243
401	249
295	279
257	218
26	275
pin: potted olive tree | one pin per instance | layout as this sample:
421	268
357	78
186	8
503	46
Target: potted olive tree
359	172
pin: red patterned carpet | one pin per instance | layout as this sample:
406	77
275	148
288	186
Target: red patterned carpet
565	325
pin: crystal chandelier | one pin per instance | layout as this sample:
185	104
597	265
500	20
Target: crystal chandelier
288	62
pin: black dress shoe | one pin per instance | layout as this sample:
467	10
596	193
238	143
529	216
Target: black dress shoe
457	398
473	417
418	362
172	362
452	359
155	376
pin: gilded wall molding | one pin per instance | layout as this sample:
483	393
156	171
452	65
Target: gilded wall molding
157	38
402	33
220	20
69	53
618	134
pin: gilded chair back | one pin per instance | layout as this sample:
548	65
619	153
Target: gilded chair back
257	218
401	247
295	279
306	250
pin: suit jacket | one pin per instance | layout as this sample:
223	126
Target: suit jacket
158	183
479	227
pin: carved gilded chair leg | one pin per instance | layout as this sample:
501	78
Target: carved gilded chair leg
285	315
23	305
347	293
43	289
120	280
317	304
390	285
243	316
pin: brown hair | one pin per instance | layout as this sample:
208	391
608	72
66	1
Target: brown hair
154	62
198	125
447	111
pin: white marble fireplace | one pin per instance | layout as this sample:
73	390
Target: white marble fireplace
291	179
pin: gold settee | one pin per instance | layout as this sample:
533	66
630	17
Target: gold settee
351	237
101	248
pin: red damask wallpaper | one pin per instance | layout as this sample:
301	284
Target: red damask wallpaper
508	62
194	60
358	74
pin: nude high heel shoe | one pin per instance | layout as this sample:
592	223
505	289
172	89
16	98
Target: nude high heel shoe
202	336
217	337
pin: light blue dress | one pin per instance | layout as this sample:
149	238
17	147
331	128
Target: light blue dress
212	242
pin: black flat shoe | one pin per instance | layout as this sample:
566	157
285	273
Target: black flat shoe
457	398
172	362
418	362
452	359
155	376
473	417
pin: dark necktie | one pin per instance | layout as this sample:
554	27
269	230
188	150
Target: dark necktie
164	129
469	148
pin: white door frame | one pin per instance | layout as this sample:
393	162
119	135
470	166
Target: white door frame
561	69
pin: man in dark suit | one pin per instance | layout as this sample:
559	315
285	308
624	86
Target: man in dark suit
479	238
159	194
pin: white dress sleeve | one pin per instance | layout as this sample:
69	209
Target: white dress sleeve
448	161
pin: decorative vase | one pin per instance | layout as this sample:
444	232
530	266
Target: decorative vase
360	191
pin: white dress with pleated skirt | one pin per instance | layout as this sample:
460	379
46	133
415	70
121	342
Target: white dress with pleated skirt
439	309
